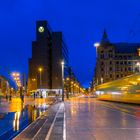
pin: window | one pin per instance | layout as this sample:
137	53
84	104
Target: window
110	55
117	69
102	69
121	62
102	56
129	69
124	57
102	63
120	57
129	63
110	68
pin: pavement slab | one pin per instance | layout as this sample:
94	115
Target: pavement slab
39	129
90	119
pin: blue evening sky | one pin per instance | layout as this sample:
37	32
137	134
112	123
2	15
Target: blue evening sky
81	21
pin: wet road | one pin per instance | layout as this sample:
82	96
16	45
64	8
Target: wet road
90	119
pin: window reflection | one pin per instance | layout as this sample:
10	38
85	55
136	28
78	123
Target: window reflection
16	121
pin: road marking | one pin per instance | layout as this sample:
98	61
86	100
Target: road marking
40	129
52	125
28	127
64	124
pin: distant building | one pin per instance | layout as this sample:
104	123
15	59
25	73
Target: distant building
71	84
4	87
48	51
115	60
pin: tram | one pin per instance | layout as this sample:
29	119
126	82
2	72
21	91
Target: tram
125	90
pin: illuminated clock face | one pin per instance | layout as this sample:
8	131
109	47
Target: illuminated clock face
41	29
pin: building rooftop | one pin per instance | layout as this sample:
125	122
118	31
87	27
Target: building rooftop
126	47
121	47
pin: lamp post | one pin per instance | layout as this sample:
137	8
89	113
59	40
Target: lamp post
68	87
16	76
96	45
138	64
62	64
40	72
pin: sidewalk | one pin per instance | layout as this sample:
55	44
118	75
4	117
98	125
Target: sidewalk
47	127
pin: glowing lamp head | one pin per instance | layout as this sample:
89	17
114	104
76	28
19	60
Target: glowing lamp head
40	69
138	64
15	74
33	79
62	63
96	44
68	79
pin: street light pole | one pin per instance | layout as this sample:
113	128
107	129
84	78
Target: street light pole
138	64
96	45
62	63
40	72
40	79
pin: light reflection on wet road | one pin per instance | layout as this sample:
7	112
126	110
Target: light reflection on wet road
89	119
15	116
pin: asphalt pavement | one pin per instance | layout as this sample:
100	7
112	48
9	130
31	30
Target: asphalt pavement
82	119
90	119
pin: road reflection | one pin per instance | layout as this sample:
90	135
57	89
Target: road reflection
88	118
14	122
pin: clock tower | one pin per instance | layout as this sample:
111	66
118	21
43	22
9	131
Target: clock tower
48	50
41	30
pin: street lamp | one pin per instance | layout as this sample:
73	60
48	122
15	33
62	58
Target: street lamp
16	77
67	78
138	64
33	79
62	64
40	71
102	80
96	45
17	80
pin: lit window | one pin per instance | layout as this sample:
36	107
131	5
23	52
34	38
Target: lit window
138	51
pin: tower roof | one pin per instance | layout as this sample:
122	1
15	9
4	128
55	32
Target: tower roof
105	39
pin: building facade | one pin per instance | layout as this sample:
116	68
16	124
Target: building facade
4	87
115	60
71	84
48	51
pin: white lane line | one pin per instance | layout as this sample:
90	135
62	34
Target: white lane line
52	125
64	124
40	129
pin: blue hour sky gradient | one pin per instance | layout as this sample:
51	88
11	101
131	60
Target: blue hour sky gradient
81	21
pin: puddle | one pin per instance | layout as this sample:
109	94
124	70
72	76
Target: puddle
12	123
